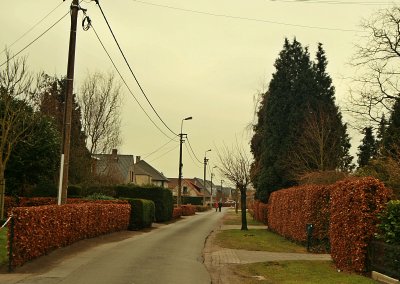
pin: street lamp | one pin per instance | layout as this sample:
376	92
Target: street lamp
181	135
212	174
222	192
204	182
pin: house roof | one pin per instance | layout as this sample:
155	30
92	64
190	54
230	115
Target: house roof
142	167
123	162
173	183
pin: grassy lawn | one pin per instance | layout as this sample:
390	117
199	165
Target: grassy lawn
3	246
256	239
231	218
296	272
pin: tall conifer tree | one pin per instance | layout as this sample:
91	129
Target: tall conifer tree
299	89
367	150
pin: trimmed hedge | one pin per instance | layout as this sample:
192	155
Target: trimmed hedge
41	229
177	213
142	213
355	204
188	210
194	200
260	212
290	210
161	197
201	208
389	227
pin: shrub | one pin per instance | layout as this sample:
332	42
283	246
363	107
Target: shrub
194	200
389	226
142	213
355	204
161	197
290	210
102	189
177	213
260	212
74	191
188	210
98	196
41	229
201	208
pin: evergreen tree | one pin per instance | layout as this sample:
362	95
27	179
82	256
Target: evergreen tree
299	90
52	104
391	137
367	150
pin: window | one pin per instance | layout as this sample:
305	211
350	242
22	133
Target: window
185	190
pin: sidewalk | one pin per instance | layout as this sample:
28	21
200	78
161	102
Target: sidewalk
218	260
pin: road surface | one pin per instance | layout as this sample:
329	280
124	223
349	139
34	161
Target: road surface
170	254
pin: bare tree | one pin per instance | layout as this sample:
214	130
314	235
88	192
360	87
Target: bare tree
234	164
376	83
100	100
18	101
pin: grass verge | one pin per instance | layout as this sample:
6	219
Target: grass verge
231	218
256	239
3	246
296	272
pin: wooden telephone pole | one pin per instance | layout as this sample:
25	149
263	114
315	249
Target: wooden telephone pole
64	166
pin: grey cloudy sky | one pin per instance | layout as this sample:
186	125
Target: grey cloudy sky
205	59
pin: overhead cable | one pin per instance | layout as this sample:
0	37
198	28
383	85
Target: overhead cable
125	83
244	18
133	74
191	157
158	149
34	26
164	154
33	41
194	154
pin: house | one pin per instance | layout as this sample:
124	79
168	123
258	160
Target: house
145	174
188	188
113	168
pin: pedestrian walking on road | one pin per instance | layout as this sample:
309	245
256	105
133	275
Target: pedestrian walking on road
216	206
220	205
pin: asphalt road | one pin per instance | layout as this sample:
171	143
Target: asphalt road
171	254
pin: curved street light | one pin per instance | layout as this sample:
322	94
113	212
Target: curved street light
178	200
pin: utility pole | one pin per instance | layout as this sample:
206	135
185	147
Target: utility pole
204	181
222	192
63	182
181	135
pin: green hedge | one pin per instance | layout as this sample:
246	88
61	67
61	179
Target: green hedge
161	197
142	213
389	228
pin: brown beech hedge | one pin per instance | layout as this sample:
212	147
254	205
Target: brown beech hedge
355	204
39	230
177	213
290	210
260	211
188	210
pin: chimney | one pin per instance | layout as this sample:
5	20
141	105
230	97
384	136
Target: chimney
137	159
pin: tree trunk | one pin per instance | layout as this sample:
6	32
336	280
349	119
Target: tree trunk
243	207
2	191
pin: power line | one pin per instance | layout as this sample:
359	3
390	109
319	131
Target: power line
243	18
164	154
133	74
123	80
363	3
194	154
158	149
33	41
34	26
190	155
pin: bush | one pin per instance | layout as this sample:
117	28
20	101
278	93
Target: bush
260	212
177	213
290	210
74	191
201	208
355	204
161	197
98	196
142	213
194	200
389	226
39	230
188	210
104	190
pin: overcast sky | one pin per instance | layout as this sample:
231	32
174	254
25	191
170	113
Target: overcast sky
206	59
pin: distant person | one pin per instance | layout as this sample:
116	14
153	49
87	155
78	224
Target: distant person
216	206
220	205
